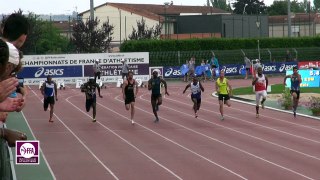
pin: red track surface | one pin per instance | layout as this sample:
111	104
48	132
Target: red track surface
275	146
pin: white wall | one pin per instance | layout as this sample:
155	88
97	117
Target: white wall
128	20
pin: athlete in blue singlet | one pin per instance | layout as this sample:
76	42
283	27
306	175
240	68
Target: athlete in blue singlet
295	88
156	98
196	88
50	94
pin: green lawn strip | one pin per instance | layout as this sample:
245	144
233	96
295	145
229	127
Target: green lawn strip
300	109
275	89
27	172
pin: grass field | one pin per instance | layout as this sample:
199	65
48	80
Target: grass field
275	89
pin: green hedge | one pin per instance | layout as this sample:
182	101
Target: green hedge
216	44
228	51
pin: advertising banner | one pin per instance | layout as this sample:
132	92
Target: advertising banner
70	67
54	71
309	64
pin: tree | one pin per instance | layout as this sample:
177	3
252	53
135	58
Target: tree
50	41
220	4
281	8
143	32
42	38
249	7
316	5
88	38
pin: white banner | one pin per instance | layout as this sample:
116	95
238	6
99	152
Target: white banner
84	59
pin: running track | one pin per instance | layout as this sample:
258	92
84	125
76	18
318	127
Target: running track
275	146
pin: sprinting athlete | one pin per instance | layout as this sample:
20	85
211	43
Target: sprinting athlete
50	94
89	88
224	91
128	94
196	88
260	82
156	97
295	88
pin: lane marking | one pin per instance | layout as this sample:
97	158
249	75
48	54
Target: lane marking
82	143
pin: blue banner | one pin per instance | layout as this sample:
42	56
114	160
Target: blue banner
172	72
184	69
200	70
229	69
54	71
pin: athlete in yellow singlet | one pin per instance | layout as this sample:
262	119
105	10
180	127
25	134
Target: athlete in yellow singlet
224	90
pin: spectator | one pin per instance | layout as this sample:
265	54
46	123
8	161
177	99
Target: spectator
248	66
203	64
191	66
15	31
96	70
214	65
185	75
288	56
125	69
256	65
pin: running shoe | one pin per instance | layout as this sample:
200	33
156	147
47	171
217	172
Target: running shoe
94	120
221	118
196	115
132	122
156	120
257	115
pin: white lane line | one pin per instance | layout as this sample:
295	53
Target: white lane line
275	109
241	150
123	139
83	144
172	141
299	137
34	137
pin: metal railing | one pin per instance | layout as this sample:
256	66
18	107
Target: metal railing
177	58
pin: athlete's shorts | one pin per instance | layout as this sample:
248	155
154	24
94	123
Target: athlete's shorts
90	102
129	100
47	101
198	100
297	92
154	97
224	97
260	94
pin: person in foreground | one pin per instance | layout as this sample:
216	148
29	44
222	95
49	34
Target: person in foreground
196	88
224	91
89	88
154	84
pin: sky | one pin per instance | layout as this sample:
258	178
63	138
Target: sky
68	6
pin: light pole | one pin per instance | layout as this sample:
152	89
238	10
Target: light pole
91	10
289	19
166	4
